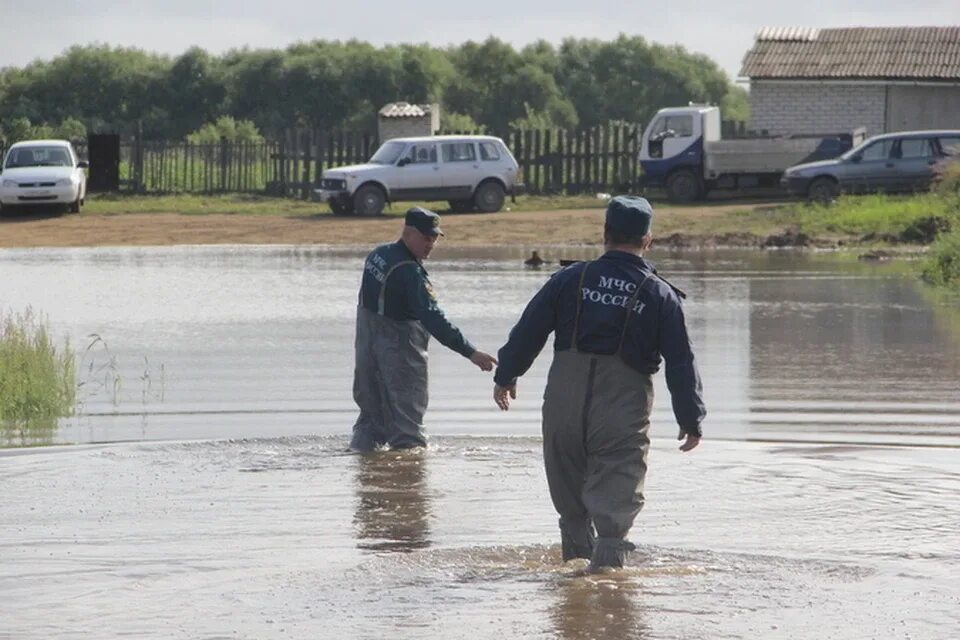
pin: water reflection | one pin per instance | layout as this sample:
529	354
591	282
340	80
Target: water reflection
393	502
599	607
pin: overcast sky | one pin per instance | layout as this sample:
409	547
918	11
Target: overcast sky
42	29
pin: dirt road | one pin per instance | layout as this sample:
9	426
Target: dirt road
542	228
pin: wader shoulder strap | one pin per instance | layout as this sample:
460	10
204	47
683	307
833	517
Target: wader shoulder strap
630	305
383	286
576	318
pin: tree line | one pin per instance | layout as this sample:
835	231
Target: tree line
330	84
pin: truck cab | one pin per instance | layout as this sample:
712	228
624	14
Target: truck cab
672	149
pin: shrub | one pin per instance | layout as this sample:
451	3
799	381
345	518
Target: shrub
942	265
459	122
947	181
37	380
226	127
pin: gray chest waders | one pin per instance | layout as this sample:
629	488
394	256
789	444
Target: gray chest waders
596	414
390	378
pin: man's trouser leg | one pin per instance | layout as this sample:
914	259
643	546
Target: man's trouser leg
368	431
390	382
617	445
595	419
404	360
564	450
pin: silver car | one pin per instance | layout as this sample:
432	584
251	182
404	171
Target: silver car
469	172
893	162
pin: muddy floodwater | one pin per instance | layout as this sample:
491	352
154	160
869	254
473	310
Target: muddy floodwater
202	491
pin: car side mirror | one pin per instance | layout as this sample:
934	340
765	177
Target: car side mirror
83	164
403	162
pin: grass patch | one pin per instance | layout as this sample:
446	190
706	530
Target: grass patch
37	380
942	264
191	204
250	204
880	216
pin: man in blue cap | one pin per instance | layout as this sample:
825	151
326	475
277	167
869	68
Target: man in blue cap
613	319
396	315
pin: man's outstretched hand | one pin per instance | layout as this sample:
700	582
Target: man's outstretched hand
502	395
483	360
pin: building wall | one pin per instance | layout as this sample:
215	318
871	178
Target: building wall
923	107
802	107
405	127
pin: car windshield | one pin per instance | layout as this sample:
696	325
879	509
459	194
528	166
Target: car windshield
859	148
38	157
387	153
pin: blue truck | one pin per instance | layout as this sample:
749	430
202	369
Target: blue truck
682	151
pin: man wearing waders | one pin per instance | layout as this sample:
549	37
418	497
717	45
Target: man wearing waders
613	319
396	315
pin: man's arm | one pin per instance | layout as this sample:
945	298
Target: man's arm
424	304
683	378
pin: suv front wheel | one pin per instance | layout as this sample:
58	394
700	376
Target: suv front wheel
369	200
489	197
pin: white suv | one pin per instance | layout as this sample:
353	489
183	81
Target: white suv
469	172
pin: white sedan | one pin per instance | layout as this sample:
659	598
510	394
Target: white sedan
43	172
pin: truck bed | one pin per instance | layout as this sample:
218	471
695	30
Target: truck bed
772	155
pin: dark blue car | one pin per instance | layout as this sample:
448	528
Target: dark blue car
890	163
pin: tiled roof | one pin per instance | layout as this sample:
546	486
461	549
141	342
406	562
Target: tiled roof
928	53
404	110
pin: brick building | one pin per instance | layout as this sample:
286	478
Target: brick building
834	80
402	120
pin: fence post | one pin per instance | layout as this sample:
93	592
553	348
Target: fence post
305	180
223	164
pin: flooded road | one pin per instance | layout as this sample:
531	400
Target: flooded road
209	496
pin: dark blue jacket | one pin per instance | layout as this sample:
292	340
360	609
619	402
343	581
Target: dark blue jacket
656	329
408	295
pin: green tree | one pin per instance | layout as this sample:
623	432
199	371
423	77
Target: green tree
71	129
194	91
495	86
459	122
225	127
736	104
629	79
19	129
327	84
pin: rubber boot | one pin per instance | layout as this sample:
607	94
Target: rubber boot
609	553
577	539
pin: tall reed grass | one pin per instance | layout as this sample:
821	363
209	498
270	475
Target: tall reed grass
37	380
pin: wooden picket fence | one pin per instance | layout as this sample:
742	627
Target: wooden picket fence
553	161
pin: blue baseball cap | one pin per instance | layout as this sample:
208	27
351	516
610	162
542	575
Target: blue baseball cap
424	221
630	215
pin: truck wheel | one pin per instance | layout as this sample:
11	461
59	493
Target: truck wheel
823	190
369	200
75	205
684	186
489	197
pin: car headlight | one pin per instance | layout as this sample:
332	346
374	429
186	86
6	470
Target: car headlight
65	182
9	183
